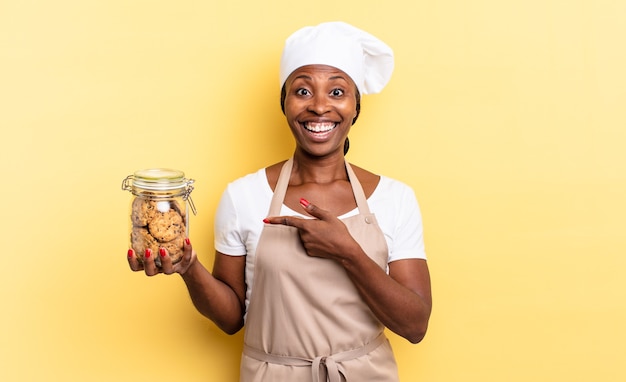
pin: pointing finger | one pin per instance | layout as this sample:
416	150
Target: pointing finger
284	220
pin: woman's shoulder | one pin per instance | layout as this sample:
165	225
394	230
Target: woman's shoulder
272	172
250	181
369	181
394	190
382	185
363	174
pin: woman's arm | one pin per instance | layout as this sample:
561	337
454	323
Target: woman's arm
218	296
401	300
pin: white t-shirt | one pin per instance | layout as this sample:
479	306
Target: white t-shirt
246	201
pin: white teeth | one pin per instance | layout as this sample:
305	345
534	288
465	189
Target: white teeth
319	127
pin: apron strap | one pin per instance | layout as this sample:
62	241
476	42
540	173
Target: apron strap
322	367
283	182
281	188
357	189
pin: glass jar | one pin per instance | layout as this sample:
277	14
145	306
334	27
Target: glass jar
159	208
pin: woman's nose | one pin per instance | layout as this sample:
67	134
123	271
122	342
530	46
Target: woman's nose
319	104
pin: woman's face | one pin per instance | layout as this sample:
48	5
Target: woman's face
320	105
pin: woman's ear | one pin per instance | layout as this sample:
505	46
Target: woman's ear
356	113
358	106
283	95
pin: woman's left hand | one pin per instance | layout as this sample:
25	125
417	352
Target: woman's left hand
325	236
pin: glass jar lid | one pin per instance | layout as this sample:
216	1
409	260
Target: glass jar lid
160	180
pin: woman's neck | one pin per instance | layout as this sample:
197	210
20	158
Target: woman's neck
307	169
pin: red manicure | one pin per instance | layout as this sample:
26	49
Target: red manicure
130	253
187	241
148	253
162	252
305	203
266	221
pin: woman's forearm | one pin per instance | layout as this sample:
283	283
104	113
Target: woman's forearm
214	299
403	303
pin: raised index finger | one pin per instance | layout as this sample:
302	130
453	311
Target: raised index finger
284	220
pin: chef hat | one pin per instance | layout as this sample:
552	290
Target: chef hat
367	60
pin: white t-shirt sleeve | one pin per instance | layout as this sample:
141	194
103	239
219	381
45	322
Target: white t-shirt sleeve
399	216
409	238
228	238
240	213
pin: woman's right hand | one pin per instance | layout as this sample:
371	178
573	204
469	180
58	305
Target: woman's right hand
149	266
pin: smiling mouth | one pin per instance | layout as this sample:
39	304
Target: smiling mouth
323	127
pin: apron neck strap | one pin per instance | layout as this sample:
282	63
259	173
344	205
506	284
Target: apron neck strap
281	188
283	182
357	190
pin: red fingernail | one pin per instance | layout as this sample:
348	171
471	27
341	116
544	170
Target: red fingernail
162	252
188	241
305	203
148	253
266	221
130	253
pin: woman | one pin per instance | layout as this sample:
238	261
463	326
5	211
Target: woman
301	258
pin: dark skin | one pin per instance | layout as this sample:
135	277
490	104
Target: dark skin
320	105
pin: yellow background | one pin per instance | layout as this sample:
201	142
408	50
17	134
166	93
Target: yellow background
507	117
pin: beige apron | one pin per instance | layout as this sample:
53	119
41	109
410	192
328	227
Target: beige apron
306	321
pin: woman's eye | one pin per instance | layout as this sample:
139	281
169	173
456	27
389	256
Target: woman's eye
336	92
302	92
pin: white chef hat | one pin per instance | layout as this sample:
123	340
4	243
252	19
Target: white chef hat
367	60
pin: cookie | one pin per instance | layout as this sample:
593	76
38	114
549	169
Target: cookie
174	248
143	211
166	226
181	211
140	240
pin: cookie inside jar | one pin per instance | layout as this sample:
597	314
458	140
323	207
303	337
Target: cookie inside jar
158	214
158	224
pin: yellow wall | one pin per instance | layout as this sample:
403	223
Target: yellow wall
507	117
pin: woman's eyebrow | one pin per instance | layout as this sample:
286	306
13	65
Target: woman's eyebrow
307	77
304	76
